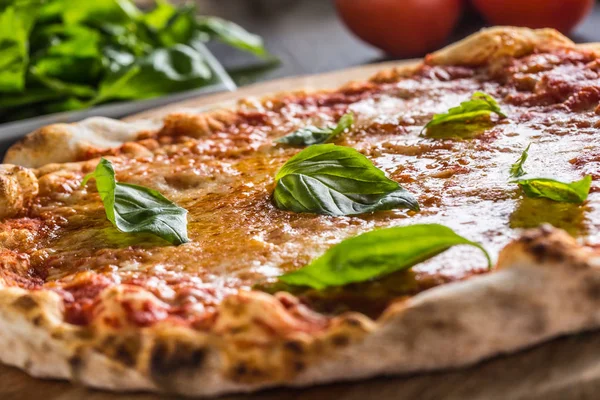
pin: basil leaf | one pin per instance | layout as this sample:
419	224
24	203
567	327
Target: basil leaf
574	192
164	71
516	170
232	34
134	209
312	135
336	180
377	253
479	107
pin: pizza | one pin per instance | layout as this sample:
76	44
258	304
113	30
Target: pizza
434	216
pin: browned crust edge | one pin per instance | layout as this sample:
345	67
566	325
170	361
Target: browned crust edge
546	285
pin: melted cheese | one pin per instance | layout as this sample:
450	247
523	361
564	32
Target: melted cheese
239	239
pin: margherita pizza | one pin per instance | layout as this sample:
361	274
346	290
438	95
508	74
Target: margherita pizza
431	217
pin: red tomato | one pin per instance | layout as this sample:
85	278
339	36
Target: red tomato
563	15
403	28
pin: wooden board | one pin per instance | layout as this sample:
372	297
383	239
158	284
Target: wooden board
566	368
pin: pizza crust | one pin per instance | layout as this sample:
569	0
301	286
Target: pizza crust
546	285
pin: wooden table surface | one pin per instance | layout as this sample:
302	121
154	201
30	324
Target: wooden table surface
308	38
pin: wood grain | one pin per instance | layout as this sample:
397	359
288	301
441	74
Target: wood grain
566	368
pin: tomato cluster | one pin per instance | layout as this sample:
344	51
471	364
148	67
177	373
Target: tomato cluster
405	28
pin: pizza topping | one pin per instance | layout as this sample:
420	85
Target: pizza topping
335	180
312	135
135	209
470	116
376	253
574	192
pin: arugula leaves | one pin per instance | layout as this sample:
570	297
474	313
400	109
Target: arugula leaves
336	180
312	135
377	253
91	52
467	115
573	192
135	209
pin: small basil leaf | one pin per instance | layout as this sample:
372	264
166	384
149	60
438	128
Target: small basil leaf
232	34
573	192
377	253
135	209
336	180
312	135
478	108
516	170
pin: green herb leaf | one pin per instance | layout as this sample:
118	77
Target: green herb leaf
312	135
377	253
233	35
135	209
574	192
336	180
164	71
479	107
516	170
15	24
116	11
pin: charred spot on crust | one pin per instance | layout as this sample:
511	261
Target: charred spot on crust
243	372
299	366
124	355
340	340
592	287
168	360
76	364
37	320
25	302
294	347
122	349
548	244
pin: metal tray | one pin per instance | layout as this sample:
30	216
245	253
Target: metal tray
12	131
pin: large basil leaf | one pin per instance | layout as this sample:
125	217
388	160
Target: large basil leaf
163	71
566	192
135	209
336	180
310	135
469	116
377	253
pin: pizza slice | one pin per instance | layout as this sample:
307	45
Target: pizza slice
434	216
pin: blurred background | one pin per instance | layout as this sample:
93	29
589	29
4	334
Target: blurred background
66	60
309	36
